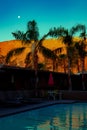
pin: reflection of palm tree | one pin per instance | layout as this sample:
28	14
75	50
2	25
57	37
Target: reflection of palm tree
67	37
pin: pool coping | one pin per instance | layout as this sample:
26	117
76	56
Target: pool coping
15	110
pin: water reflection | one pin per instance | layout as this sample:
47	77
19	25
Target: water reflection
56	117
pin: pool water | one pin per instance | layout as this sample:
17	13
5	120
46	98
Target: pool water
55	117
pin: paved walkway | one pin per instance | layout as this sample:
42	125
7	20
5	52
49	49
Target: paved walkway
13	110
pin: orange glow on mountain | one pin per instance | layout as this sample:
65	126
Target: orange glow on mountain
52	44
6	46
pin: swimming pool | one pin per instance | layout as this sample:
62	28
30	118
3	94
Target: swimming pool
55	117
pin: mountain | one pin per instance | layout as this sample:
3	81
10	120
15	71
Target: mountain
6	46
52	44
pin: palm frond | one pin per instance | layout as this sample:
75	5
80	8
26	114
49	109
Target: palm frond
80	46
63	56
18	51
53	32
25	40
32	31
58	32
78	28
18	35
47	52
41	40
27	59
14	52
68	40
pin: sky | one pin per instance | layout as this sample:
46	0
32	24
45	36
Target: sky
15	14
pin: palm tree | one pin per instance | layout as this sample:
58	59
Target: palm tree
81	49
63	62
57	52
76	60
31	36
67	37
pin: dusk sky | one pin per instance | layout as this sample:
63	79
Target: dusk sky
14	15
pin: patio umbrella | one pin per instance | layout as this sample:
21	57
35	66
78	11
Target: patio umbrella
50	81
51	93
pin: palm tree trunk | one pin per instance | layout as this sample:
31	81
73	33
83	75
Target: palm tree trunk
36	83
69	69
36	70
69	75
78	66
64	66
83	84
53	65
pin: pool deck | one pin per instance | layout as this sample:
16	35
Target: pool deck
6	111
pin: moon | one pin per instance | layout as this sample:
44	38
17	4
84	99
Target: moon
19	16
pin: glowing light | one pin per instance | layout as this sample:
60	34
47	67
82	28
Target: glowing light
19	16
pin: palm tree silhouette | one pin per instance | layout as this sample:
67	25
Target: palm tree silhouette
67	37
31	36
81	49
